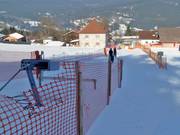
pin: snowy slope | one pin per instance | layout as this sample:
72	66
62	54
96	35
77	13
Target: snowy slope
149	101
50	51
147	104
11	55
173	55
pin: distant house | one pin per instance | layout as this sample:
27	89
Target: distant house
148	37
74	42
15	38
1	36
129	40
169	37
94	34
71	37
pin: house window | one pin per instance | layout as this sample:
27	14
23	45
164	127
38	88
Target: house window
86	36
97	43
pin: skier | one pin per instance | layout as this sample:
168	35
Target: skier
111	55
115	52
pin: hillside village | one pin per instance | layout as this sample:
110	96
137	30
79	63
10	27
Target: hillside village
89	67
122	36
99	77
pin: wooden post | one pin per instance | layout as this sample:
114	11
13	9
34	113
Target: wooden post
109	81
120	68
121	61
119	73
40	72
78	100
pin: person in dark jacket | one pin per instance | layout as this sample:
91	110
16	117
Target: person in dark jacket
111	55
115	52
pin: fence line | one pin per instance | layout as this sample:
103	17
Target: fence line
98	84
161	61
71	100
57	116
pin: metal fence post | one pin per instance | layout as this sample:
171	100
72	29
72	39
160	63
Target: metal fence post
109	81
121	62
78	102
119	72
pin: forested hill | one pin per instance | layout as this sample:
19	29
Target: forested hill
146	13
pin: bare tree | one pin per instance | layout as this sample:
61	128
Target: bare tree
50	28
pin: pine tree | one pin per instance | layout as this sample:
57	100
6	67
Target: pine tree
129	32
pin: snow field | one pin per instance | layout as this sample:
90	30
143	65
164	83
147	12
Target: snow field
148	102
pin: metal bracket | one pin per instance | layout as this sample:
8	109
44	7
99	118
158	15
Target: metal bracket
29	65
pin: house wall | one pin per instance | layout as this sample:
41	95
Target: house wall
10	39
148	42
92	40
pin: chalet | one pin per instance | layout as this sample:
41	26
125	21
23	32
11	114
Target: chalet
169	37
148	37
94	34
71	37
129	40
15	38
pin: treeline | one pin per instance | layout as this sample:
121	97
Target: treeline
48	27
10	30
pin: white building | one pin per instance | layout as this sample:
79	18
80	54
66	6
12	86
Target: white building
129	40
148	37
169	37
14	37
93	35
123	28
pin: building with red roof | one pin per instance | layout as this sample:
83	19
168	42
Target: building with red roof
148	37
94	34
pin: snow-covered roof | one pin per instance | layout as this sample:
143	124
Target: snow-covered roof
76	40
16	35
1	35
129	37
54	43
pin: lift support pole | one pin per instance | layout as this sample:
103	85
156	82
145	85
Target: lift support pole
33	86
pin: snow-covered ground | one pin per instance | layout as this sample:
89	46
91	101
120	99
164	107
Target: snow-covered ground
148	102
173	55
50	51
11	55
10	64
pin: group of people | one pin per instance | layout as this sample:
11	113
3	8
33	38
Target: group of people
112	54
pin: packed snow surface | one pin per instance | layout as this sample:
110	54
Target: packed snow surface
148	102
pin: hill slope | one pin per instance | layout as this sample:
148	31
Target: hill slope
146	13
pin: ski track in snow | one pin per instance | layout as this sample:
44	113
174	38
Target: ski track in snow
148	102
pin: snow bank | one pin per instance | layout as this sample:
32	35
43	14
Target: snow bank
172	54
49	50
